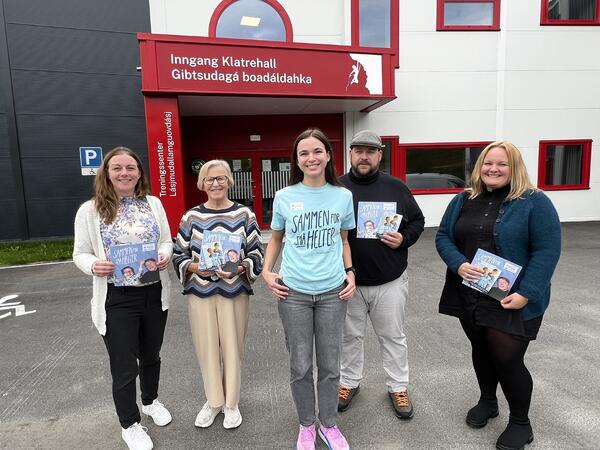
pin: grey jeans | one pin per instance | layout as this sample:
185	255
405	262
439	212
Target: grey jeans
319	318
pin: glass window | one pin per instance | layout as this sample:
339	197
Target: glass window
386	160
468	15
564	165
440	166
251	19
571	9
375	23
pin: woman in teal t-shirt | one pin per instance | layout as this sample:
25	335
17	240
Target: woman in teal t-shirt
316	279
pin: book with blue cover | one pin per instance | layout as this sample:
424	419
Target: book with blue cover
134	263
499	274
371	219
221	250
390	222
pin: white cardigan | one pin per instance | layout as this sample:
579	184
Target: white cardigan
89	248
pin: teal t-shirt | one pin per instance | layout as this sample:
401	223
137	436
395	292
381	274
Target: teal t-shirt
312	219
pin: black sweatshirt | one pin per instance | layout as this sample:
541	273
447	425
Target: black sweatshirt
375	262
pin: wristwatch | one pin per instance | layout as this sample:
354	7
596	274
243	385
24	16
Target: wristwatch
350	269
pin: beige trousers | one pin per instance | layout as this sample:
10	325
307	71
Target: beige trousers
218	326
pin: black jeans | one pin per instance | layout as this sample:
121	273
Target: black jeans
135	324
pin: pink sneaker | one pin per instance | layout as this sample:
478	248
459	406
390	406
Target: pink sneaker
334	438
306	438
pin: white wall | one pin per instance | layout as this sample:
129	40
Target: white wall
313	21
525	83
184	17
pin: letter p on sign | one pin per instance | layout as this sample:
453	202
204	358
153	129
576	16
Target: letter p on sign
90	158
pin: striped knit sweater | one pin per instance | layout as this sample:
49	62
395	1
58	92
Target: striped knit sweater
235	219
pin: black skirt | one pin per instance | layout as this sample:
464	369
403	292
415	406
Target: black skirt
479	309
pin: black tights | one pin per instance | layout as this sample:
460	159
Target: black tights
498	358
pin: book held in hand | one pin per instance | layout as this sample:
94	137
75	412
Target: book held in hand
389	224
498	277
371	219
221	250
135	263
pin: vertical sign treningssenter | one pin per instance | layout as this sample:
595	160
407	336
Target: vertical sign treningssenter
165	156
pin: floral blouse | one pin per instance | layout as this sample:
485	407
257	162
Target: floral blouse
134	224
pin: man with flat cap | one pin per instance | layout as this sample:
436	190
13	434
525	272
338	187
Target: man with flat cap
380	263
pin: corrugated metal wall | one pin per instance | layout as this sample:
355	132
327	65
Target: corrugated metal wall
73	82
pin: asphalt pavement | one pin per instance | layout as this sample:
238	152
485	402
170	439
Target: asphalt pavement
55	388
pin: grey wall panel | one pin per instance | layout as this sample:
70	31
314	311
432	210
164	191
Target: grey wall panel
116	15
51	218
74	84
61	49
74	93
58	178
55	178
61	136
6	181
4	150
9	225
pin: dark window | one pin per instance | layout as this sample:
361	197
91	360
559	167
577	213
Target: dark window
251	19
375	22
386	158
570	12
468	15
564	165
431	168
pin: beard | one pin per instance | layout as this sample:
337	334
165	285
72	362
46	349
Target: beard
362	172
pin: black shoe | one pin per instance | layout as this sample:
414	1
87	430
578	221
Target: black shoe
515	437
478	415
345	396
403	407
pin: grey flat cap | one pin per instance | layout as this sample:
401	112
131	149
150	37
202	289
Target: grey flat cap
366	138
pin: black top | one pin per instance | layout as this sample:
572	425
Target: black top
375	262
475	229
475	226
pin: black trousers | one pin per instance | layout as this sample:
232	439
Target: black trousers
135	324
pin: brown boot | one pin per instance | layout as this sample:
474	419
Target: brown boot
345	396
403	407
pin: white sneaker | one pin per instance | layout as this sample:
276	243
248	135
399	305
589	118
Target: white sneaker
233	418
136	437
160	415
206	416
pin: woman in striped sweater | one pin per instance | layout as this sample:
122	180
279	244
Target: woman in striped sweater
217	299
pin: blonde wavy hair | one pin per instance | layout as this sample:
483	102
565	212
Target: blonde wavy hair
106	200
209	165
519	178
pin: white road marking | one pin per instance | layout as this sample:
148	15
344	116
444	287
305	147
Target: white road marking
17	306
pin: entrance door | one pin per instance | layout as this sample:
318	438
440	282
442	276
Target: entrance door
257	177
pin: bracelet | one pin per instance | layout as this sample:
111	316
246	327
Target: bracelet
350	269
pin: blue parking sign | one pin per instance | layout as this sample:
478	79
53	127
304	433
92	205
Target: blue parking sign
90	158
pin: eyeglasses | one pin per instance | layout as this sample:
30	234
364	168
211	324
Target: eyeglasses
211	180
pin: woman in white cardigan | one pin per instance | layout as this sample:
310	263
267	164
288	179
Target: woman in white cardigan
131	317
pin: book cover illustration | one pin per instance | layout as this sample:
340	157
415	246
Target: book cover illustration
390	222
135	263
221	250
370	216
498	277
